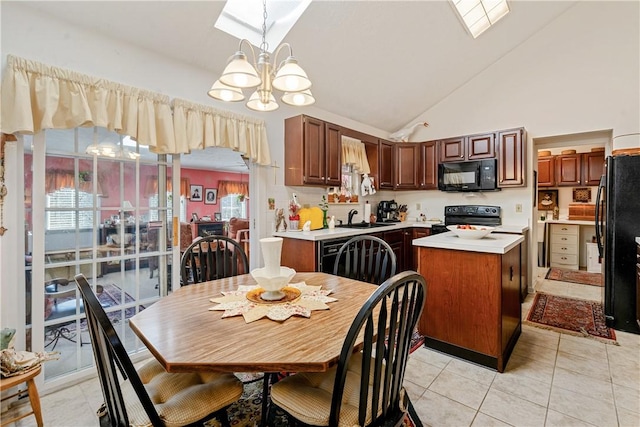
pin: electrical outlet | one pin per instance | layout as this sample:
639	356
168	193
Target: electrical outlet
418	206
519	208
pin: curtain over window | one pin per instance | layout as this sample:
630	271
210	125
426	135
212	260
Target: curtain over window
232	187
36	96
354	154
199	126
56	179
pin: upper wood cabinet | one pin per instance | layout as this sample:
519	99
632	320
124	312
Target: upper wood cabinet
407	166
511	158
428	172
546	171
471	147
386	164
592	167
568	170
312	152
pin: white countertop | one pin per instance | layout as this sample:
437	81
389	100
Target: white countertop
338	232
495	243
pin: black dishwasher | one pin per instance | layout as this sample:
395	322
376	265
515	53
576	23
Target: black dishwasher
328	253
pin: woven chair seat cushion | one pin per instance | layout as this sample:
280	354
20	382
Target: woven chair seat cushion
182	398
307	395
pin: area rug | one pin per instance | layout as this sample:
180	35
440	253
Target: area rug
570	316
575	276
109	295
246	412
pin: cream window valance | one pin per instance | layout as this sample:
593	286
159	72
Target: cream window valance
36	96
199	126
354	154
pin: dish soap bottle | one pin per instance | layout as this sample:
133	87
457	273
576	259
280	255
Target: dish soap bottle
332	222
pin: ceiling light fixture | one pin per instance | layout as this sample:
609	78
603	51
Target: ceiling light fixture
287	77
479	15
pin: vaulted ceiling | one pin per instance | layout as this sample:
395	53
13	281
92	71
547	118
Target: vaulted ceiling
381	63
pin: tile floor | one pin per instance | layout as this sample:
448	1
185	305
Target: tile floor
551	379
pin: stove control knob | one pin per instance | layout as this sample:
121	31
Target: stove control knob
494	210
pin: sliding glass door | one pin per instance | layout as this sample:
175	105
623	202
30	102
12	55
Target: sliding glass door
103	209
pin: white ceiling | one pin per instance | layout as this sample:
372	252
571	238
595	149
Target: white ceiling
381	63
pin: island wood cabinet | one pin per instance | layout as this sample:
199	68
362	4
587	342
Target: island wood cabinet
511	158
472	309
472	147
546	171
312	152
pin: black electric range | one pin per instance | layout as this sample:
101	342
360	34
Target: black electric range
468	214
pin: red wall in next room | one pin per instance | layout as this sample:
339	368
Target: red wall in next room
208	179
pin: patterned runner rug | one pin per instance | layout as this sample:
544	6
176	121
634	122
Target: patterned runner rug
575	276
570	316
246	412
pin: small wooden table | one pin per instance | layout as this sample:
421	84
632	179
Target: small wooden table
32	391
185	336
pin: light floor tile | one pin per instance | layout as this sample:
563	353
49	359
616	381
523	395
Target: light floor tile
628	418
413	390
512	409
539	354
432	357
585	408
625	375
460	389
530	368
582	365
473	372
482	420
436	410
583	346
627	398
524	387
558	419
540	337
583	384
421	373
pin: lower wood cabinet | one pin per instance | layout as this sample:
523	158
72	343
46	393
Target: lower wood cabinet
472	309
638	284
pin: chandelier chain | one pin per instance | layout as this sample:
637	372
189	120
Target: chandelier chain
264	46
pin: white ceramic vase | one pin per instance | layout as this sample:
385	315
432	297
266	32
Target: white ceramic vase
271	253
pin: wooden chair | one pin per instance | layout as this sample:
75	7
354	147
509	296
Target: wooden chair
32	391
150	396
365	388
212	257
365	258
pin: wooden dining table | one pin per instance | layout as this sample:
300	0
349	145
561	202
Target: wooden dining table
185	336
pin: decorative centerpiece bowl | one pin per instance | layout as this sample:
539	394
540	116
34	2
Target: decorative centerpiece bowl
471	232
273	284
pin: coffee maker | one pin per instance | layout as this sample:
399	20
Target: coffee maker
387	211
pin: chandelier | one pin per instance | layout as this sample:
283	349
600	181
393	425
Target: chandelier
287	77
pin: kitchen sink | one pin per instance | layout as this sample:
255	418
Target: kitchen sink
366	225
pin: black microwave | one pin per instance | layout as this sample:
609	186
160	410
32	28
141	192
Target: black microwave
474	175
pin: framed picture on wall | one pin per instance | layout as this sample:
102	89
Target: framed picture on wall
217	216
196	193
210	196
547	200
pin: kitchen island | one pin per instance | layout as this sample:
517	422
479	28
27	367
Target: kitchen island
472	309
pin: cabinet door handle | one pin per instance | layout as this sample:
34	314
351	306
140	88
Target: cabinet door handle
564	249
510	273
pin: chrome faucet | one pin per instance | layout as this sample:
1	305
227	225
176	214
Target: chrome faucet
352	212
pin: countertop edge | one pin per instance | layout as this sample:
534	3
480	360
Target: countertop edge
500	243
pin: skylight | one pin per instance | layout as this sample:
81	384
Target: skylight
243	19
479	15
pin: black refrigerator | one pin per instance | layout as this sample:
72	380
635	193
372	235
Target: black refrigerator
617	226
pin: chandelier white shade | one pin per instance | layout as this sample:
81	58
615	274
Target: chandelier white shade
265	76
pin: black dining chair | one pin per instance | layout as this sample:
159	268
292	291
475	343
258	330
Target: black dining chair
365	258
150	395
212	257
365	388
